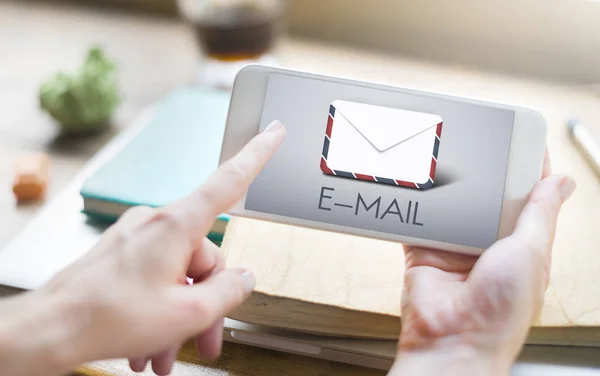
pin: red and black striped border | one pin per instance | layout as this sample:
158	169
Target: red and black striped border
353	175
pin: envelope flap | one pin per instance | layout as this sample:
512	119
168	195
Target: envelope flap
385	127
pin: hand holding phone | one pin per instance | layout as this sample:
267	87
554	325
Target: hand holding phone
386	162
480	306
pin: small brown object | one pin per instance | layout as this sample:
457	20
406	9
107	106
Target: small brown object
31	176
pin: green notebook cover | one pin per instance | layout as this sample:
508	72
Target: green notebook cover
168	159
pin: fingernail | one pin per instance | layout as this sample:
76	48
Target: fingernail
566	188
273	127
248	280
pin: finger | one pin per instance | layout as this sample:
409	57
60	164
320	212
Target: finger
228	184
547	171
138	364
204	303
537	223
162	364
209	344
205	260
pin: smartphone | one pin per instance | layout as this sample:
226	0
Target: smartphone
386	162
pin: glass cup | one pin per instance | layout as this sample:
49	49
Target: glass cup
233	34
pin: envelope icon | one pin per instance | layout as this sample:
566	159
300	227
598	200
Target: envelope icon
381	144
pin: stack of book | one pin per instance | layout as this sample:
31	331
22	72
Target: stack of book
168	159
338	285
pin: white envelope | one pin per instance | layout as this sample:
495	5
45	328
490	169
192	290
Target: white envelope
381	144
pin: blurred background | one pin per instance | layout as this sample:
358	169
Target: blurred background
556	39
148	48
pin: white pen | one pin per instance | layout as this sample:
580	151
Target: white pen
586	143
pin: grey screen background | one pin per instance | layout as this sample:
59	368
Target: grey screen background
462	208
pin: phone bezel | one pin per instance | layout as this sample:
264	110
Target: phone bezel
525	162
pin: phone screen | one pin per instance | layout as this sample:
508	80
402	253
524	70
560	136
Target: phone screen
386	161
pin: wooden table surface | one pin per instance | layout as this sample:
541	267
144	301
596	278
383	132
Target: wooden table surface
157	55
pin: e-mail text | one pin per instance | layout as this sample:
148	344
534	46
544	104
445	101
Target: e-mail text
407	212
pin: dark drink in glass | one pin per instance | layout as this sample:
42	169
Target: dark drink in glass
243	32
233	33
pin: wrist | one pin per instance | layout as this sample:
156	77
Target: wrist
456	360
39	332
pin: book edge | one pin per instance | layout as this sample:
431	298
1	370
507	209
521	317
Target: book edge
221	217
580	336
109	219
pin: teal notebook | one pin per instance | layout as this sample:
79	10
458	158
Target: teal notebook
168	159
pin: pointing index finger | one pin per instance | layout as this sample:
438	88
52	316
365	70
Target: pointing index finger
228	184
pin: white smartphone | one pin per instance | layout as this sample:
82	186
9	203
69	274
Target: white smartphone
386	162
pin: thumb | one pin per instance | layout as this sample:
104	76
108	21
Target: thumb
524	257
537	222
215	297
514	272
526	253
